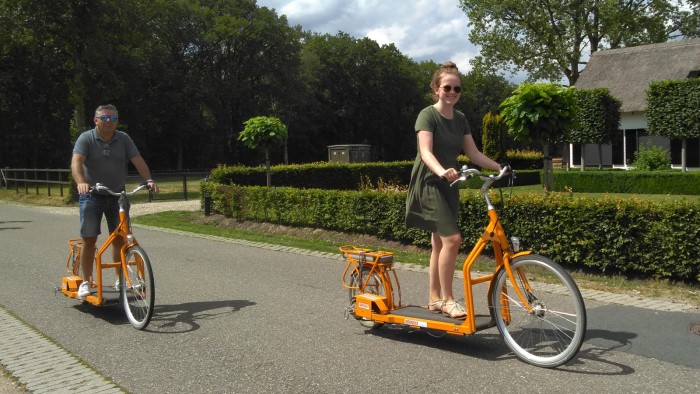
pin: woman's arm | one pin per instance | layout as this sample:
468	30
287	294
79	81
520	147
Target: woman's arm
476	156
425	145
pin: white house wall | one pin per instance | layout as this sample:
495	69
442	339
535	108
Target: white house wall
633	120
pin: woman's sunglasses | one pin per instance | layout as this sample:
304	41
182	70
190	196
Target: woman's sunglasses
448	88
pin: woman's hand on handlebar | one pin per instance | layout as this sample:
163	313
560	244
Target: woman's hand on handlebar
450	175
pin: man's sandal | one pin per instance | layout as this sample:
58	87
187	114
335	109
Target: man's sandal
453	310
435	306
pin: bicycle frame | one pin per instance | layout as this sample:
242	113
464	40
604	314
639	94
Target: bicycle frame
503	254
123	232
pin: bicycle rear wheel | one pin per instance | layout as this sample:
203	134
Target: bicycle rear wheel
137	287
552	331
374	285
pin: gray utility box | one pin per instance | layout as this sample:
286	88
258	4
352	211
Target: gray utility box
349	153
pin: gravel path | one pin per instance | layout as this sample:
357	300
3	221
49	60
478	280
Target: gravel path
140	209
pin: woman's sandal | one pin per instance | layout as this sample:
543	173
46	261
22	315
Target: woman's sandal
453	310
435	306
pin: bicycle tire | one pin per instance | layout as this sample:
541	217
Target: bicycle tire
138	293
375	285
553	331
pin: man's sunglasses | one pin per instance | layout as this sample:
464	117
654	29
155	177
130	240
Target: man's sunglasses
104	118
448	88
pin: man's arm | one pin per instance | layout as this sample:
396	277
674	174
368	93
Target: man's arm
144	171
76	166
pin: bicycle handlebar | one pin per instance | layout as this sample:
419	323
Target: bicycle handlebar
466	173
102	188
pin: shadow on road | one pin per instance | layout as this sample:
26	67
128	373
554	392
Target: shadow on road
179	318
170	319
485	345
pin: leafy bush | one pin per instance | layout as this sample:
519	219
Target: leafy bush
651	157
494	132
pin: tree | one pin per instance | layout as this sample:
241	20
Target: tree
597	121
265	132
690	20
553	38
543	113
494	135
352	95
674	111
481	94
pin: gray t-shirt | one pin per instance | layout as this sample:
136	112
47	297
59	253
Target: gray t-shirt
106	163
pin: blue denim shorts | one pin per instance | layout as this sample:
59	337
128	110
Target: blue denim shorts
92	207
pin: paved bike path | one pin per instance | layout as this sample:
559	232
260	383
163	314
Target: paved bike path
650	328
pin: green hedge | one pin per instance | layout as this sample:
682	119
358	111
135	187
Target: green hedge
343	176
636	182
339	176
608	235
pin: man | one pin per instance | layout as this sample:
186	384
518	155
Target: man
101	155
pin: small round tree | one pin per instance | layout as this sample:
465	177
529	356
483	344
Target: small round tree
540	112
264	132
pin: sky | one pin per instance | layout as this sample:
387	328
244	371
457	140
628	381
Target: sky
421	29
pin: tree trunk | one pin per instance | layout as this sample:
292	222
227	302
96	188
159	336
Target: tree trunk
600	156
547	172
77	96
684	146
583	156
267	167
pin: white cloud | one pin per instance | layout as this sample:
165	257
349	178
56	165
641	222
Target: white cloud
421	29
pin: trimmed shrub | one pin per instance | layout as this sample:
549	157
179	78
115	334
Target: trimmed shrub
609	235
637	182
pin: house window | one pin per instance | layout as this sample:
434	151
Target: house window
625	145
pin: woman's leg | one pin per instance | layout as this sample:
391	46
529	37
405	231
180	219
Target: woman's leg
434	270
446	263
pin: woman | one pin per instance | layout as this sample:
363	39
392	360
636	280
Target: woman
431	204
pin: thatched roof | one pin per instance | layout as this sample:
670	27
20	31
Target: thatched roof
627	72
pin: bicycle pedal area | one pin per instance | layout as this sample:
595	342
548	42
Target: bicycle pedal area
103	296
110	294
418	316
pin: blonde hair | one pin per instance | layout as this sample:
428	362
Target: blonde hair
449	67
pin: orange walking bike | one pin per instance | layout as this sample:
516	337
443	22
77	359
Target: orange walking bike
535	304
136	290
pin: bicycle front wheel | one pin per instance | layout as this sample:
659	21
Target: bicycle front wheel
549	330
138	292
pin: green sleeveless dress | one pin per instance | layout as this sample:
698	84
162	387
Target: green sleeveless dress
431	204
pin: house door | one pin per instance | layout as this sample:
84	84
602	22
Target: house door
625	145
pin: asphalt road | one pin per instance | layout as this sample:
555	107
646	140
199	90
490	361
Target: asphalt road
238	318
